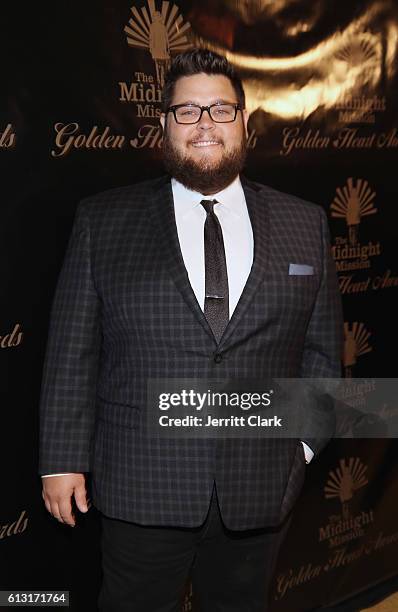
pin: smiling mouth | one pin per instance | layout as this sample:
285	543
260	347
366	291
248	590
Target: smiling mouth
205	143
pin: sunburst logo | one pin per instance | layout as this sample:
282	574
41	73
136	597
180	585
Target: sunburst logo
352	202
356	343
161	32
359	51
342	483
346	479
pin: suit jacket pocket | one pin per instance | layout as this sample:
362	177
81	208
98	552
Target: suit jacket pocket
119	415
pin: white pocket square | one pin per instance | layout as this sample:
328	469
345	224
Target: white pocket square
300	269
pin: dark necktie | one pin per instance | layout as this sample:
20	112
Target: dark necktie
216	279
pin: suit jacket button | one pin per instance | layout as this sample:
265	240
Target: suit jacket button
217	358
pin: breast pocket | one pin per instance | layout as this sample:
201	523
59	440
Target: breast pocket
291	292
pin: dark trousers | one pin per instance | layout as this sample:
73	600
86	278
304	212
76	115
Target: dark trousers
146	569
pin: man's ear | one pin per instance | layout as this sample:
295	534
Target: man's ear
162	120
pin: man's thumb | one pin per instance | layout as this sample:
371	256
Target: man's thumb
81	500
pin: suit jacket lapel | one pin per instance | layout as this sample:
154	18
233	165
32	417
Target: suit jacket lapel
259	217
163	218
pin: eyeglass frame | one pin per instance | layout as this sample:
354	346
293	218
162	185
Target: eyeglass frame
172	109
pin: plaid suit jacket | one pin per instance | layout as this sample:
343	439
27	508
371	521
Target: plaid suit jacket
124	311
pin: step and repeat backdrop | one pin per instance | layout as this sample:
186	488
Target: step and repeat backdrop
81	85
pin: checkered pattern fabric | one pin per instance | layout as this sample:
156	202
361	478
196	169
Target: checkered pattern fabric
124	311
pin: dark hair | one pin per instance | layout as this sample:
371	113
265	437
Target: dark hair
196	61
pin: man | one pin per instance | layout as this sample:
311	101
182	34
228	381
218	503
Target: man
201	276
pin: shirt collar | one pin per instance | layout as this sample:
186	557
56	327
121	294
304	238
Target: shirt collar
232	197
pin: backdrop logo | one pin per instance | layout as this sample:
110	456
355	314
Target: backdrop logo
343	482
160	32
356	344
352	202
361	52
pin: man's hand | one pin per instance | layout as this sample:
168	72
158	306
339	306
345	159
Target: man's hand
58	492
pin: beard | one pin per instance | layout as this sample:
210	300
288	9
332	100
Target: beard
204	175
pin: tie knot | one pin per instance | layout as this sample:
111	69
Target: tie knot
208	205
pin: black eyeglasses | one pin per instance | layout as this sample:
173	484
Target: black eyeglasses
192	113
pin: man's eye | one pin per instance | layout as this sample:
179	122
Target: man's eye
222	110
188	111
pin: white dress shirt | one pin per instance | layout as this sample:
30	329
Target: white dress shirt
234	219
233	216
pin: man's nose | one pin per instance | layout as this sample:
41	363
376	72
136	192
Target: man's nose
205	122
